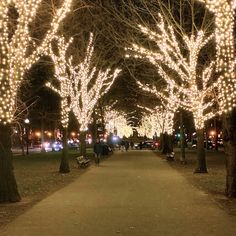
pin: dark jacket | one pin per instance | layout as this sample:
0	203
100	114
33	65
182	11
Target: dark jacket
97	148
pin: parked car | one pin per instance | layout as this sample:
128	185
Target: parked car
155	145
148	144
57	146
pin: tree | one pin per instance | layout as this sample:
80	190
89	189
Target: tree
178	66
64	75
224	11
116	123
90	84
162	118
18	51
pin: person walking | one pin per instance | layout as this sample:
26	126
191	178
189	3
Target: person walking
97	149
132	145
126	146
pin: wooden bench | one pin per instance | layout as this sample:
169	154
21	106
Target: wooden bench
170	156
82	162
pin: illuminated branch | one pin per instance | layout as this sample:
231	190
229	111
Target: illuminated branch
117	123
160	120
86	95
63	65
186	88
224	11
16	52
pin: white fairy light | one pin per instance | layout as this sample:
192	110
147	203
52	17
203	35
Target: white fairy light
191	90
86	96
62	65
224	11
15	56
115	122
76	92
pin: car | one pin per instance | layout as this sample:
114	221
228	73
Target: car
148	144
155	145
57	146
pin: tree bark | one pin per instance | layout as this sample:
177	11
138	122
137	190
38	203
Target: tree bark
64	166
42	135
182	140
201	154
167	144
229	137
8	186
82	138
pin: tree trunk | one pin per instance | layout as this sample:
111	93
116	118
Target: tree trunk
42	135
94	129
167	144
8	186
64	166
182	140
82	138
201	155
229	125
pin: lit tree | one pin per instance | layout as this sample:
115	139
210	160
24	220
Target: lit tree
115	122
18	51
90	85
163	115
194	92
224	11
110	119
63	68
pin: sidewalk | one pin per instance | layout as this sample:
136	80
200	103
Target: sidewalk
134	194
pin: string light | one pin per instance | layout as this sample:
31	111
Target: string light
189	90
62	67
76	92
19	51
115	122
224	11
86	95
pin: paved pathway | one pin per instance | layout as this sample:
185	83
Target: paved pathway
133	194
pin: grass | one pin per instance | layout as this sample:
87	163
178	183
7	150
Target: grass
37	176
212	183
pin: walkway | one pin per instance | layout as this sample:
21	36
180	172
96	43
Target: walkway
133	194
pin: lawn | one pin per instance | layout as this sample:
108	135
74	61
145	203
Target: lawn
37	176
212	183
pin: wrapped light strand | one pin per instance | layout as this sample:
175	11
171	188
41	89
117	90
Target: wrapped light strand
224	11
191	91
19	51
62	65
116	123
86	96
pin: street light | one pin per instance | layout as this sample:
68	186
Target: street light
27	135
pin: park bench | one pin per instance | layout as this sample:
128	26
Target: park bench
170	156
82	161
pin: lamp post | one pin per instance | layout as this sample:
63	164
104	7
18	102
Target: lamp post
27	135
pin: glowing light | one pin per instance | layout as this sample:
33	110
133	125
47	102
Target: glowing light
115	122
20	50
86	96
80	86
187	89
224	11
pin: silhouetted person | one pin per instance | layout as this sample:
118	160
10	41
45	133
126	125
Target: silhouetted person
132	145
97	148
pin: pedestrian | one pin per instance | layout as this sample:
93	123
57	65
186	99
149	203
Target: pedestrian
122	145
126	146
97	149
132	145
141	145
